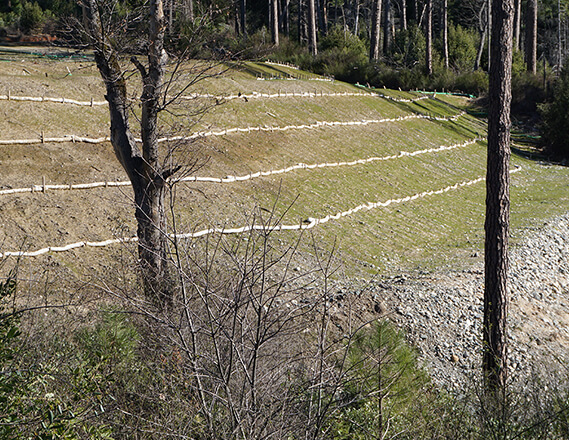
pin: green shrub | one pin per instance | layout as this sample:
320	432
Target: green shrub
342	55
32	17
408	48
462	48
555	125
383	385
473	83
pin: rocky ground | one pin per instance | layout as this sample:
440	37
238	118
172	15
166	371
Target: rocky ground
442	313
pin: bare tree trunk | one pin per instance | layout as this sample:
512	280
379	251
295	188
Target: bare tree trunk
285	17
302	22
483	29
559	42
356	12
275	21
323	16
445	33
312	44
498	201
375	30
429	37
243	16
413	14
386	26
489	21
143	167
531	36
403	15
517	24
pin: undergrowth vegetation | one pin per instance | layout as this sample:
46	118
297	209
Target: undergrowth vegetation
251	350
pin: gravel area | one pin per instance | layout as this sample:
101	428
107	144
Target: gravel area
442	313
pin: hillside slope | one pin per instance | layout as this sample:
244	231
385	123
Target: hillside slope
303	122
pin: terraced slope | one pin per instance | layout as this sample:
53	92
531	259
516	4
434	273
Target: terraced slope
401	154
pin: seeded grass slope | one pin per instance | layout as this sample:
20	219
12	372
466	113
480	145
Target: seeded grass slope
437	231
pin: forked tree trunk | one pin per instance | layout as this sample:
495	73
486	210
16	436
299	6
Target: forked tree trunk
498	201
142	166
375	30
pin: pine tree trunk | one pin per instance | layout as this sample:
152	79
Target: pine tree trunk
445	33
429	37
375	30
323	16
285	17
403	15
517	24
497	200
243	16
303	22
356	13
275	22
531	36
413	14
478	62
312	43
386	26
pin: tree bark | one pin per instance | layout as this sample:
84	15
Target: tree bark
386	26
403	15
142	166
483	29
531	36
413	15
497	201
356	15
312	43
275	22
243	16
489	21
429	37
302	22
517	24
285	17
445	33
375	30
323	16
